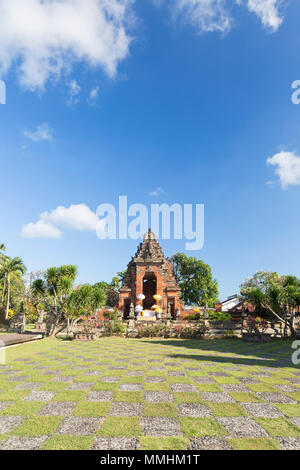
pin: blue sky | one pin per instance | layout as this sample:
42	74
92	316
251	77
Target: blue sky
174	97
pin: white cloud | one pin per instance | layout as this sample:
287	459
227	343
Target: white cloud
43	132
75	90
94	93
76	217
205	15
43	38
267	11
287	168
156	192
216	15
40	230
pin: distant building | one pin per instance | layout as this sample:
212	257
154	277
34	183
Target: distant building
229	303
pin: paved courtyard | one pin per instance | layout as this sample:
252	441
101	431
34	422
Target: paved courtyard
150	394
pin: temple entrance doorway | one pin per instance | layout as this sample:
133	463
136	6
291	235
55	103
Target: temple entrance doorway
171	303
126	308
149	290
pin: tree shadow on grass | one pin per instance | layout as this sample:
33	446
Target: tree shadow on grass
277	353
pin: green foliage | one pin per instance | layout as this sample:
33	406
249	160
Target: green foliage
85	300
110	315
163	331
55	288
219	316
114	328
212	316
12	287
280	295
195	279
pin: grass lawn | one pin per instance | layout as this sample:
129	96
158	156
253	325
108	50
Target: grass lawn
129	394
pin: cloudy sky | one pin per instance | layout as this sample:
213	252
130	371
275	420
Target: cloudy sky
163	101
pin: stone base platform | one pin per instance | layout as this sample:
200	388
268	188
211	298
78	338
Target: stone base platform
15	338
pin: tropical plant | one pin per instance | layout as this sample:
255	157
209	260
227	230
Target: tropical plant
8	268
83	301
195	280
256	325
55	289
279	295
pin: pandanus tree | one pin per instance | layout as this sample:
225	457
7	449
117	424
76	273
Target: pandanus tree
55	288
83	302
279	295
10	266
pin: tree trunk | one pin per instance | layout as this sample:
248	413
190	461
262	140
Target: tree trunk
69	328
8	297
3	292
292	324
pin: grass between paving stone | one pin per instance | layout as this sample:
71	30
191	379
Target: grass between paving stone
86	379
50	353
254	444
278	427
120	427
91	409
70	395
160	410
54	387
164	443
13	395
294	395
225	380
163	387
60	442
155	373
132	380
273	381
227	409
179	380
198	427
38	426
22	408
187	397
292	411
245	397
208	388
261	388
105	387
136	397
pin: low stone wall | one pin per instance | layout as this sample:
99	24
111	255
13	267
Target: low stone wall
213	329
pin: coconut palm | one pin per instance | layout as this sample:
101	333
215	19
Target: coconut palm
8	267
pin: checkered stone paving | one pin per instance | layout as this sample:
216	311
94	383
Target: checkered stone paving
129	394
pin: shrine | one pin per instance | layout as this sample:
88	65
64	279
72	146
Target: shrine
149	283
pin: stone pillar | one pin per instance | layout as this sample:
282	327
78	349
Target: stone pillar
139	286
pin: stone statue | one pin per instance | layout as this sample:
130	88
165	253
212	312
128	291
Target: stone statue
131	312
169	314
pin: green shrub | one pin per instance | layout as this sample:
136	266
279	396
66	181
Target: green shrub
219	316
114	328
110	315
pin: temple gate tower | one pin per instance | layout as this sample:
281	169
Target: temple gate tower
150	273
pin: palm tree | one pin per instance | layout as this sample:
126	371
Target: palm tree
8	267
2	257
